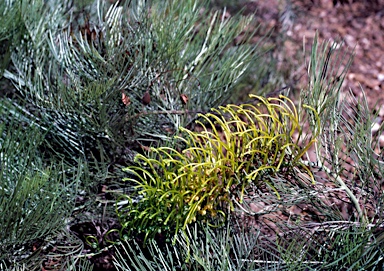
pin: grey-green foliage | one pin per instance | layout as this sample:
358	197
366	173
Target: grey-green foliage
338	246
18	267
347	157
9	25
8	19
334	245
346	149
348	170
35	197
199	248
74	64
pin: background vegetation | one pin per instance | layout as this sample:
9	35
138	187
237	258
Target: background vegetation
100	148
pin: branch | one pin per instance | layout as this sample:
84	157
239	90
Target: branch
342	184
161	112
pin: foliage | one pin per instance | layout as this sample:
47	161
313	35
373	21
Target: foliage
73	74
347	158
345	247
85	84
84	70
237	147
346	141
199	248
333	240
331	246
9	31
34	196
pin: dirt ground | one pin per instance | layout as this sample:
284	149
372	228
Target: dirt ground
359	24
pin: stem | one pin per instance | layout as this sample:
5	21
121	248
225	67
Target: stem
343	186
162	112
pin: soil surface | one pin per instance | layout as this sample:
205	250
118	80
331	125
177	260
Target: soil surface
359	25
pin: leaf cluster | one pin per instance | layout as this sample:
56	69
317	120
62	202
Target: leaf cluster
198	248
238	147
34	195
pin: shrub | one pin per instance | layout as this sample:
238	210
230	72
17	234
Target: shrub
84	70
238	146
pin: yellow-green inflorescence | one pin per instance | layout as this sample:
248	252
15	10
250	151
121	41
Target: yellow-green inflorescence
237	146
